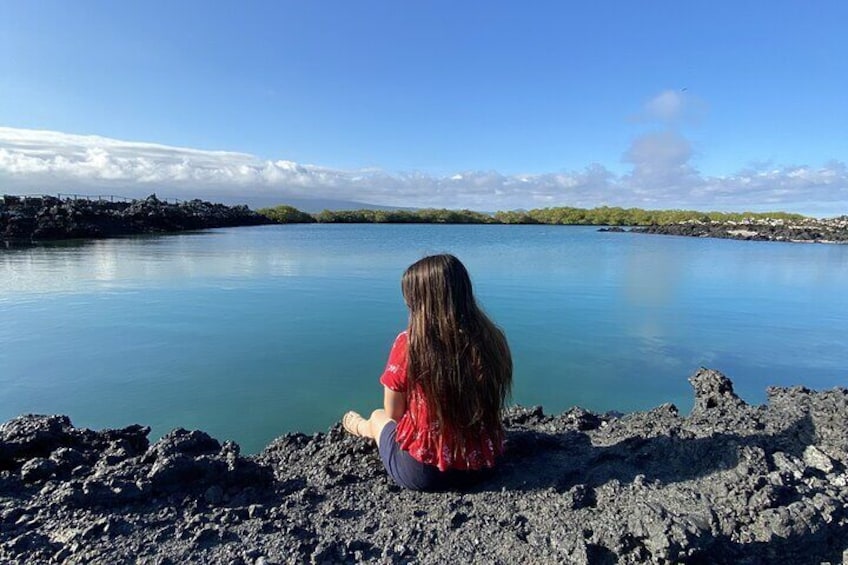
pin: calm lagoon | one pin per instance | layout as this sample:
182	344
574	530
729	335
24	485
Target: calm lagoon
249	333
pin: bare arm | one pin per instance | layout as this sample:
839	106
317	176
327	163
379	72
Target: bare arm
394	403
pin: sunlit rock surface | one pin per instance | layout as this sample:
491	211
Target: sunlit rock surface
829	230
730	483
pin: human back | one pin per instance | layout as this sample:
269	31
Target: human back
447	378
458	359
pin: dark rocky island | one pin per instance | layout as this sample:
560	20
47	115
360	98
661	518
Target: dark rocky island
52	218
730	483
807	230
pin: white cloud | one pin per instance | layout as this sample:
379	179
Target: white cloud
667	106
33	161
672	108
661	159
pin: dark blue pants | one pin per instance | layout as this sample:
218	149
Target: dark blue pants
410	473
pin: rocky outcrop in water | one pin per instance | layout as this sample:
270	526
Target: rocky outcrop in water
49	218
730	483
833	230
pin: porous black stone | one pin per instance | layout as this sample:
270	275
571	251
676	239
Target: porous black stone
49	218
729	483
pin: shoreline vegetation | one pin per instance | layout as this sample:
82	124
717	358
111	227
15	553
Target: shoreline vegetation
760	226
562	215
45	218
729	483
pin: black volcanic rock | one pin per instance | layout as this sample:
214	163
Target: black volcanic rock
49	218
830	230
730	483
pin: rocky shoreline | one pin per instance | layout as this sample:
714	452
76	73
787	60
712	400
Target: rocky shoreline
832	230
730	483
50	218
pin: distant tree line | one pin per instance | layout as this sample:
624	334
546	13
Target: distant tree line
286	215
601	216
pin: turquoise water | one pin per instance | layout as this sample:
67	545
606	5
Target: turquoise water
252	332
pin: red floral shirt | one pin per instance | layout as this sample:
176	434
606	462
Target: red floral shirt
421	438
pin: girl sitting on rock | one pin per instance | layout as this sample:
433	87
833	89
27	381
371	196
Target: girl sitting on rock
446	381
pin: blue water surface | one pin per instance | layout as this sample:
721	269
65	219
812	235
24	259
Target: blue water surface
248	333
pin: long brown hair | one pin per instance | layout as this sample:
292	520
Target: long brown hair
458	358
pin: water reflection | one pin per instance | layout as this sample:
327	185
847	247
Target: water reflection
245	332
140	262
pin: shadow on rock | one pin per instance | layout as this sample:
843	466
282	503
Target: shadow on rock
730	483
578	447
537	460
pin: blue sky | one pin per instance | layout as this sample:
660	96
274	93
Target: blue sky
488	105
